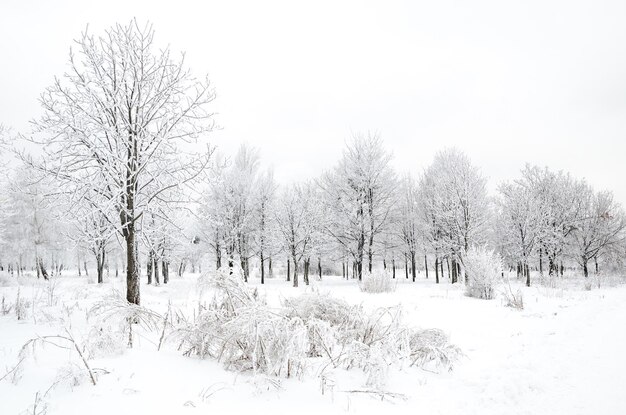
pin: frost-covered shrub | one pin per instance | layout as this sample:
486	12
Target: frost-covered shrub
483	268
350	337
377	282
238	328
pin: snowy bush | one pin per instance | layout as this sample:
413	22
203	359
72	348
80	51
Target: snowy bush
483	268
350	337
377	282
238	328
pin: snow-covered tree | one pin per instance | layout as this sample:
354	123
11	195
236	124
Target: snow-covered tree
122	126
602	225
264	205
520	219
358	194
408	223
454	206
297	220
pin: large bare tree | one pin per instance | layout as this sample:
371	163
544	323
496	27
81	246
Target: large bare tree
122	126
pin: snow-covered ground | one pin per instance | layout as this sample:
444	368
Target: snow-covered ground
565	353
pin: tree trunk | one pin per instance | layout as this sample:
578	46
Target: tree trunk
86	270
132	274
165	266
100	258
595	260
149	266
42	269
155	269
270	273
454	275
406	267
413	265
436	269
426	265
218	254
295	271
262	268
319	267
343	270
393	267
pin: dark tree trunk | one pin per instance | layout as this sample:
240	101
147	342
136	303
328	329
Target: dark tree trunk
262	268
595	260
270	273
436	269
406	266
455	271
132	274
288	270
100	258
156	271
413	265
343	269
165	266
149	266
319	267
426	265
218	254
295	271
42	269
86	270
393	267
541	261
527	275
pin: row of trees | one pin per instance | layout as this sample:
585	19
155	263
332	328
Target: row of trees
117	165
361	213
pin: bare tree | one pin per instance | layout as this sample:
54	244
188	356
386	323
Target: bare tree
119	127
601	227
358	196
296	220
455	204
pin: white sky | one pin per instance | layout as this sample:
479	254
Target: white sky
508	82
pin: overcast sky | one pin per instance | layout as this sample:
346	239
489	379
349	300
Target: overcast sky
508	82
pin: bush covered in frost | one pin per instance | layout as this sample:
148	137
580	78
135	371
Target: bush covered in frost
377	282
483	268
238	328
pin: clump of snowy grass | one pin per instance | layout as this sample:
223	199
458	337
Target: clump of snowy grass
484	269
348	336
513	299
238	328
377	282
